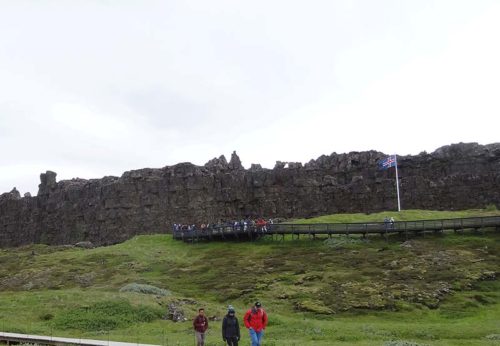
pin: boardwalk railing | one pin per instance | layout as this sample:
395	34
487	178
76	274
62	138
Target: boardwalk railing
16	338
250	232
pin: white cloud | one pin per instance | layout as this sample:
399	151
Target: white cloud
92	88
86	122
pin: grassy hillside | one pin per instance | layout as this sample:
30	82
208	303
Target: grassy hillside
405	215
432	290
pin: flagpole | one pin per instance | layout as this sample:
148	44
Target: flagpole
397	183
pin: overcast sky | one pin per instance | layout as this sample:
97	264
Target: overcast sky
95	88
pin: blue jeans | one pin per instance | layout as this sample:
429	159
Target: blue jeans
256	337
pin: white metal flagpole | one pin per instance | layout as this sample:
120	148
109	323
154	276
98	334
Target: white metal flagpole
397	182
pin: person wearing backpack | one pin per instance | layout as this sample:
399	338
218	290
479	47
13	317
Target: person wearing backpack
256	321
230	328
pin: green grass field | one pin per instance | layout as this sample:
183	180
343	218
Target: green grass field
405	215
432	290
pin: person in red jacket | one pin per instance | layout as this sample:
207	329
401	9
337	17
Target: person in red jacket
200	324
256	321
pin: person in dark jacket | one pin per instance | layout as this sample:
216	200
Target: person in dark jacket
200	324
230	327
256	321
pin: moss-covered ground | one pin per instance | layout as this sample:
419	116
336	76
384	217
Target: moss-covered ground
432	290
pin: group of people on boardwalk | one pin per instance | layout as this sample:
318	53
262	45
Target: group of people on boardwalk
245	224
255	321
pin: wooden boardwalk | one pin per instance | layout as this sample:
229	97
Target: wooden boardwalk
312	230
16	338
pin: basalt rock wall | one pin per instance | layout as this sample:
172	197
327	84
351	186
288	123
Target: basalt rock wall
112	209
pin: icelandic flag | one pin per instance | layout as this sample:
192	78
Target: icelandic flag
388	162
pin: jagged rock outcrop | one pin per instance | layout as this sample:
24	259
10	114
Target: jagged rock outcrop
235	162
113	209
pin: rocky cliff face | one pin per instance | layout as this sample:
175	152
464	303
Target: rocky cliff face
144	201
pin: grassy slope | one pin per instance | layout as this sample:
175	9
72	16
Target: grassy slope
335	293
405	215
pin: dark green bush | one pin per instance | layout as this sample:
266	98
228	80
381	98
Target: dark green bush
105	315
46	317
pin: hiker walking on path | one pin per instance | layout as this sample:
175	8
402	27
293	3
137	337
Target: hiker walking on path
256	321
230	327
200	324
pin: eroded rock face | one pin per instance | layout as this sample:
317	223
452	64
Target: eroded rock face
111	209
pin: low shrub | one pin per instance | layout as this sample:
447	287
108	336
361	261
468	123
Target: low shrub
105	315
340	242
493	337
491	207
145	289
403	343
46	317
